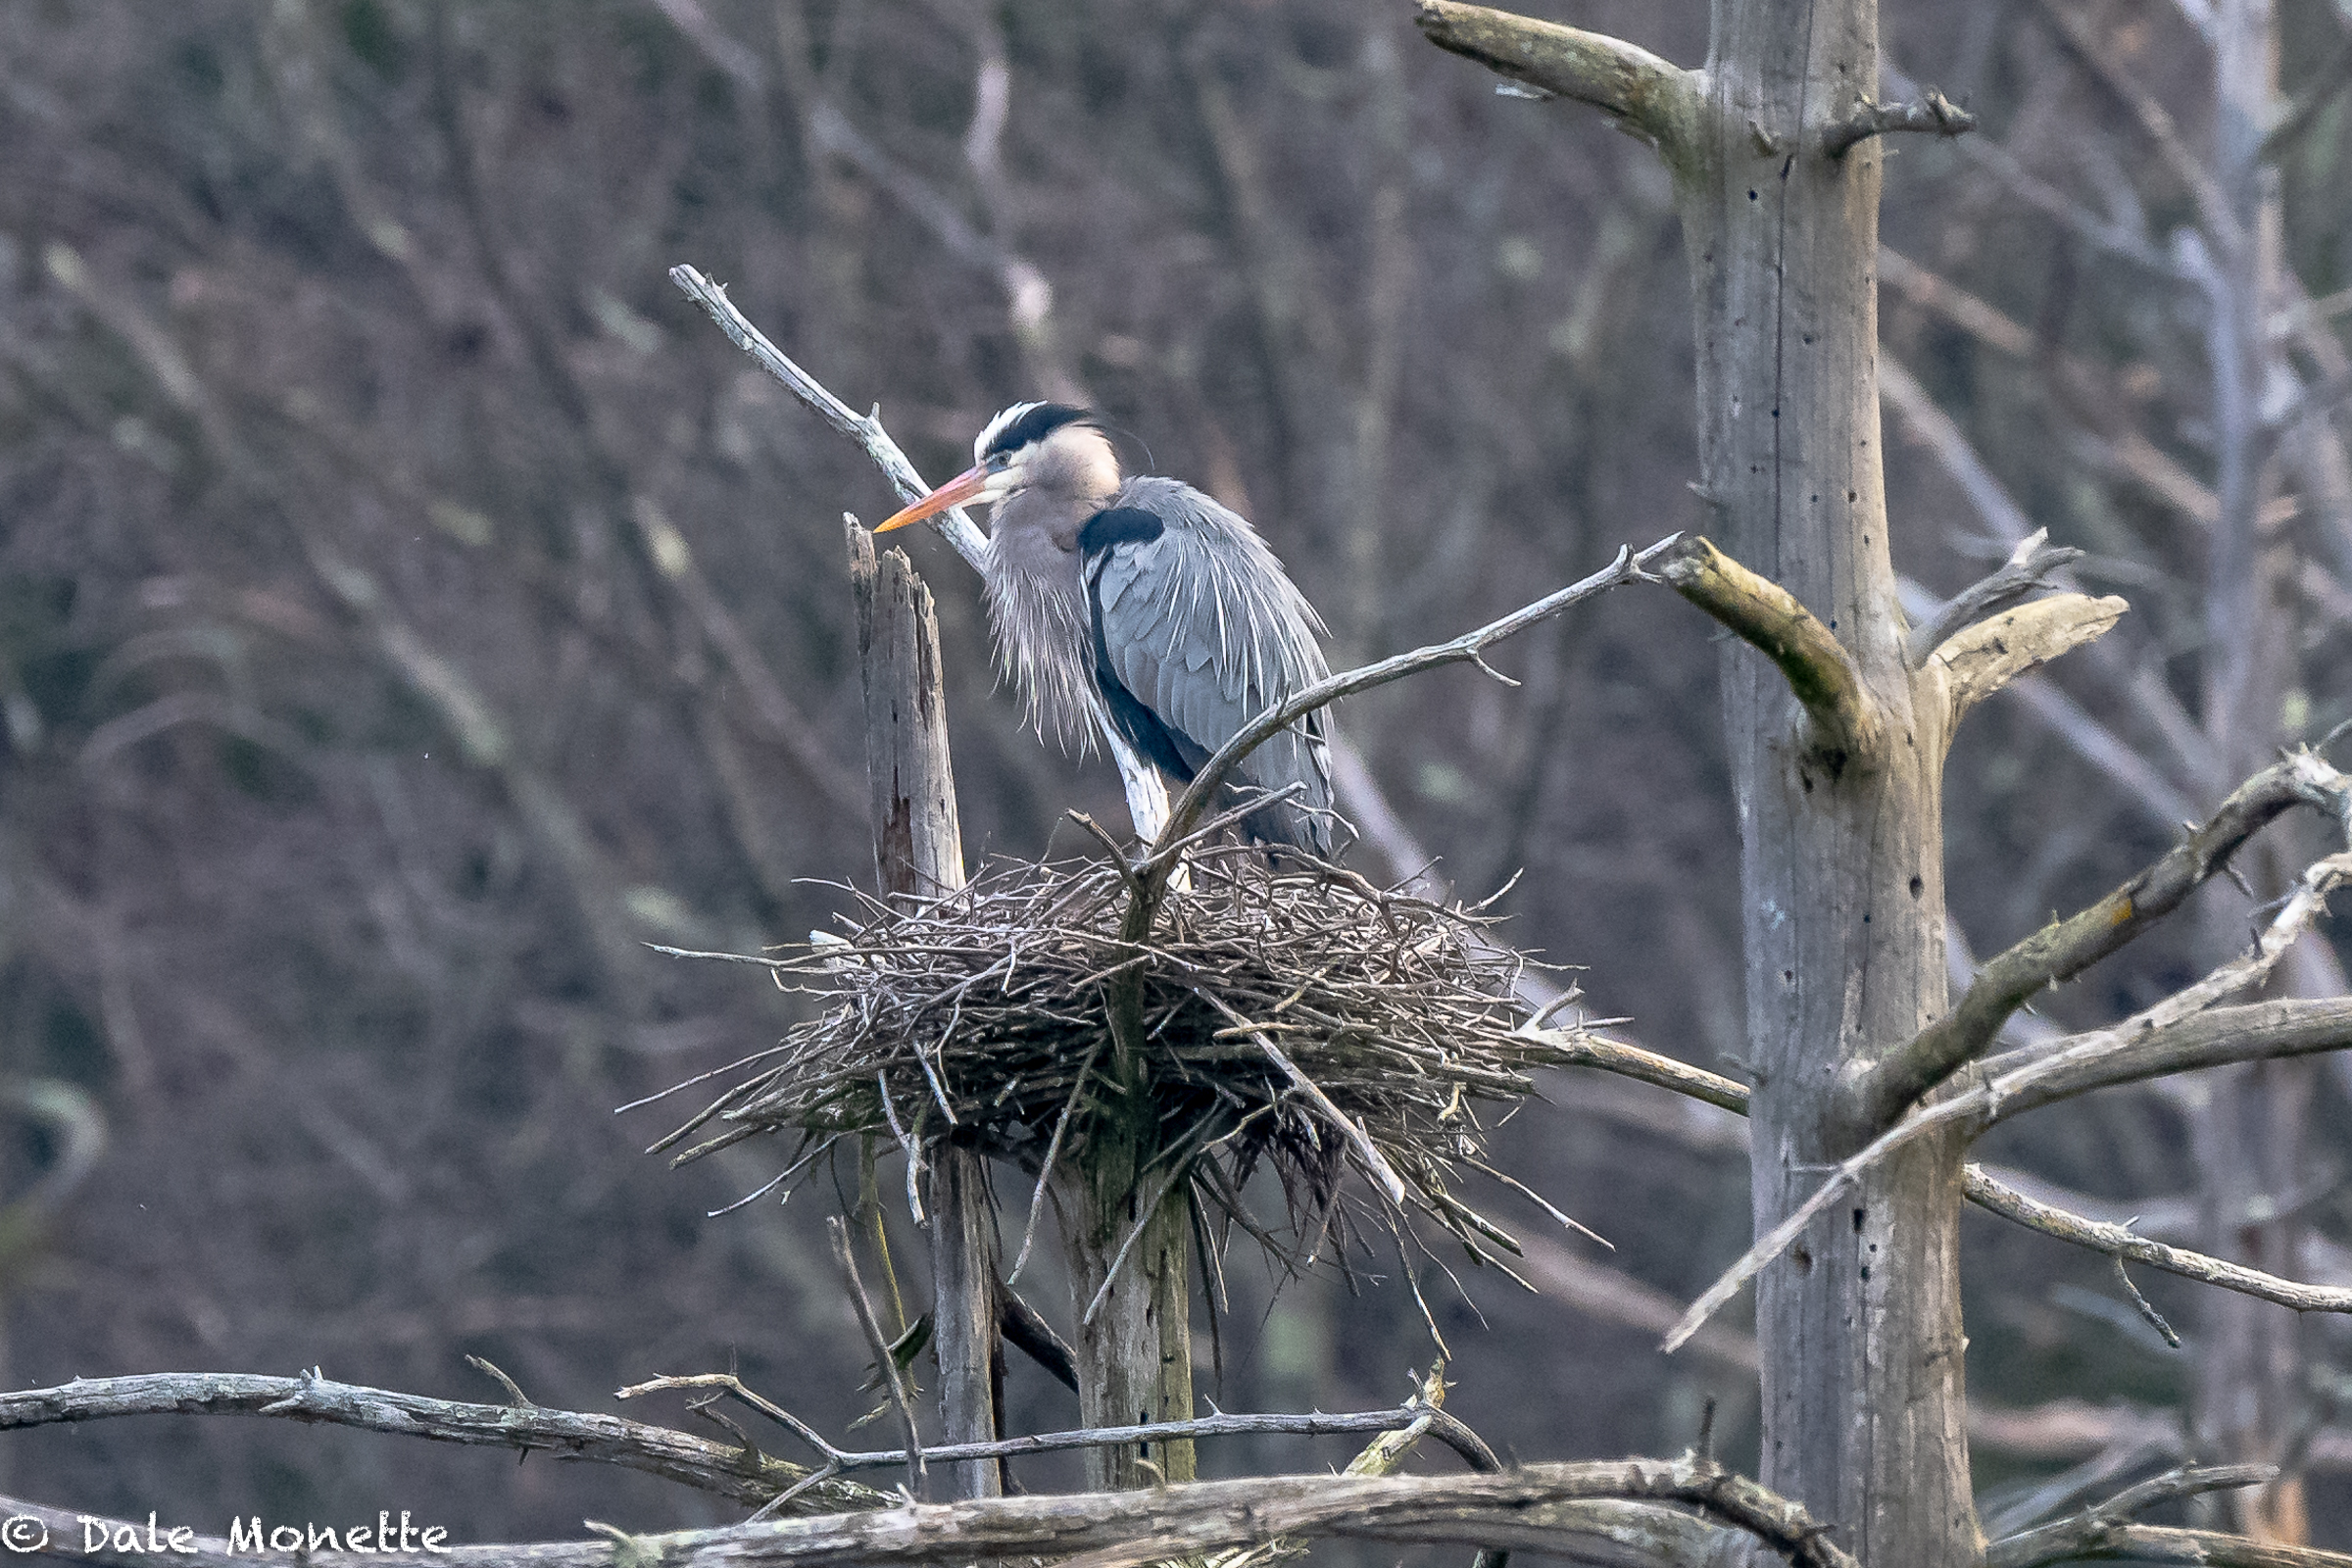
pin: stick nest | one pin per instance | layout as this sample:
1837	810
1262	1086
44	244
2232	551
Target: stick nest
983	1017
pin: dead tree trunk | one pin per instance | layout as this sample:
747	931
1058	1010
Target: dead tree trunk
1836	753
918	854
1841	838
1126	1219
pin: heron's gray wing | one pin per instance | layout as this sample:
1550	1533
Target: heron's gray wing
1200	623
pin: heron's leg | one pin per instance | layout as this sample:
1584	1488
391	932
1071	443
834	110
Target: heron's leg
1146	795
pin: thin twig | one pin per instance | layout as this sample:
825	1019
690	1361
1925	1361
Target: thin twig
2027	570
1045	1167
887	1365
1376	1164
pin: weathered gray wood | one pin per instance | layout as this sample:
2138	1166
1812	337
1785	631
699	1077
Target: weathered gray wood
1130	1291
918	848
719	1467
918	854
1613	1513
1842	858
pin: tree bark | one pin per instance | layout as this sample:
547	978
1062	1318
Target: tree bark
1841	849
1130	1290
918	854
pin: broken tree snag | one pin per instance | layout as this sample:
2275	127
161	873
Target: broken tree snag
1657	101
918	847
2061	951
1930	112
1980	660
918	854
1819	670
2027	570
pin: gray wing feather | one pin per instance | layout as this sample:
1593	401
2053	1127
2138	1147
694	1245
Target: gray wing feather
1206	629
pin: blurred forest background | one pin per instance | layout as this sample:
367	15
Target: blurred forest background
410	606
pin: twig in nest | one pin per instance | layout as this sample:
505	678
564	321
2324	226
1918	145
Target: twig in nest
917	1483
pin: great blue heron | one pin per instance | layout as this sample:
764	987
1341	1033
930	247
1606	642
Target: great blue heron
1144	601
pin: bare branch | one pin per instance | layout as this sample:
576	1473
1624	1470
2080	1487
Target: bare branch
1769	617
2027	570
1930	112
1978	1184
2256	1031
1629	566
2143	1046
564	1434
1659	102
954	524
2121	1243
2061	951
886	1365
1577	1048
1980	660
2106	1531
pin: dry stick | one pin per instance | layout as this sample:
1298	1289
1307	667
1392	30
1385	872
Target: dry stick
1931	111
1044	1170
2027	569
1980	1188
567	1435
1536	1508
1450	1431
2094	1059
886	1363
1376	1165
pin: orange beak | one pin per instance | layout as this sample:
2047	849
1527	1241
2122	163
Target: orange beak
954	492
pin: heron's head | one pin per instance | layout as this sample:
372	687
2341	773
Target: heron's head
1049	447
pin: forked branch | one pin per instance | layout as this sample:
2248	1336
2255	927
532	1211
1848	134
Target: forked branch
2107	1530
1659	102
2169	1037
2061	951
721	1468
1762	613
2027	570
1467	649
1984	1190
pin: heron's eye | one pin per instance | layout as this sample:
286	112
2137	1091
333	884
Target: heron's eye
996	462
